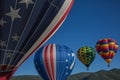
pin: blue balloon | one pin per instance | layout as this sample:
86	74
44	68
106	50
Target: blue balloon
54	62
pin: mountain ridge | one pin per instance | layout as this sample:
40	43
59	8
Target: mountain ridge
113	74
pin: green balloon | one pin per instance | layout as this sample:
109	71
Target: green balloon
86	55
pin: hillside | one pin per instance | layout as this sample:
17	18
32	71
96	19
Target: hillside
113	74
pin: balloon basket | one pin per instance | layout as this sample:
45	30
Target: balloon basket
87	68
108	65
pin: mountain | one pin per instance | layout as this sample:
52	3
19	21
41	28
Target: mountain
113	74
27	77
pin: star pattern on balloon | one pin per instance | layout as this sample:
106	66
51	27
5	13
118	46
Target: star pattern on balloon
27	2
2	43
72	65
66	60
15	37
66	67
9	54
66	73
73	55
68	54
13	14
2	22
52	4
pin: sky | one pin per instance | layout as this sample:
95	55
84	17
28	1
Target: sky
87	22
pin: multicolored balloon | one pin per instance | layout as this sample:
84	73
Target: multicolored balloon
54	62
86	55
107	48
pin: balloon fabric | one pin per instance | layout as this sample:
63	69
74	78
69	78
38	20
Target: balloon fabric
25	25
107	48
86	55
54	62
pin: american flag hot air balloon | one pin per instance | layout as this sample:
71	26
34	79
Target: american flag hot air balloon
25	25
54	62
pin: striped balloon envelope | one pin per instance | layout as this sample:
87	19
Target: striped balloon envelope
54	62
25	25
107	48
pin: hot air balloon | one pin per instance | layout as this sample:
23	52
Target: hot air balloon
86	55
25	25
54	62
107	48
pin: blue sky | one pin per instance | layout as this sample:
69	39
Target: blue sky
87	22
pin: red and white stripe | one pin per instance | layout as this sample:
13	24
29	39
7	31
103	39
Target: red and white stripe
49	59
52	28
